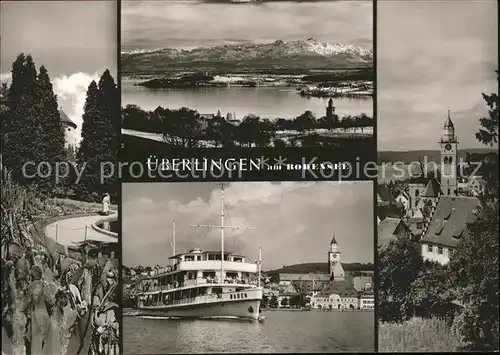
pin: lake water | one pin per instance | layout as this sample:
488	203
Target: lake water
282	331
266	102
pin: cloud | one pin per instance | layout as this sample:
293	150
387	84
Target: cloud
448	63
71	92
5	77
293	221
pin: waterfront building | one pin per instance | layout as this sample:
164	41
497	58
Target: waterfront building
335	269
367	300
336	295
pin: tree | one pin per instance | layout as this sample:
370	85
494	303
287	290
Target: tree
488	135
429	293
182	128
399	265
89	143
304	122
279	143
52	128
21	127
474	275
99	145
488	131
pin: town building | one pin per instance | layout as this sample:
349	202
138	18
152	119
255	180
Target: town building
449	150
476	186
335	269
404	199
305	283
330	112
69	127
386	211
449	213
392	229
367	300
336	295
447	227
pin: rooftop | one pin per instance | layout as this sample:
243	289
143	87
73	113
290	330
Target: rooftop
449	220
341	288
66	120
387	230
433	189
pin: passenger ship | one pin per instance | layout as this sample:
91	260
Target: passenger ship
201	284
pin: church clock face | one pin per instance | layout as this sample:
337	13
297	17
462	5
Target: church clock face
447	146
334	256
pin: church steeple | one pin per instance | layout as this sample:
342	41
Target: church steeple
335	269
449	124
449	151
448	134
330	110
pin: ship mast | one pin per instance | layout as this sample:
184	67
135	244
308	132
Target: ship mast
222	233
173	238
222	227
259	267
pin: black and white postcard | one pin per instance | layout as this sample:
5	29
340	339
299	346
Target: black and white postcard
248	267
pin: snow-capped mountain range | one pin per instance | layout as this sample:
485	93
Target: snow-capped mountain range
310	52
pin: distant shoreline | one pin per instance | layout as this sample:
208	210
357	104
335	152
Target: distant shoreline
317	85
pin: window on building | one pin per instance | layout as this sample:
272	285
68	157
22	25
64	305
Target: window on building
440	250
450	160
429	248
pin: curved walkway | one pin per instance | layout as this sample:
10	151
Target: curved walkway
72	230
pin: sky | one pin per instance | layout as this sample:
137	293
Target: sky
192	23
294	221
433	56
75	40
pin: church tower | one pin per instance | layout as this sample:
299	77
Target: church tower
335	269
449	149
330	110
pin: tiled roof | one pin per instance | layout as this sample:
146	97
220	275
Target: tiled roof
386	229
386	211
66	120
384	194
304	277
433	189
449	221
341	288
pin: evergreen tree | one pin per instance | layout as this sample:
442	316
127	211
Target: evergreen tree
488	132
99	142
89	143
53	131
21	127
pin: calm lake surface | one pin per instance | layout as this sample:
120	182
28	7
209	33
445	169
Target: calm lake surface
266	102
282	331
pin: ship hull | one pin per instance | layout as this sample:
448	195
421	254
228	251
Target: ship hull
248	309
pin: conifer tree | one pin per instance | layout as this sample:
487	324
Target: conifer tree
99	144
89	143
21	127
53	131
